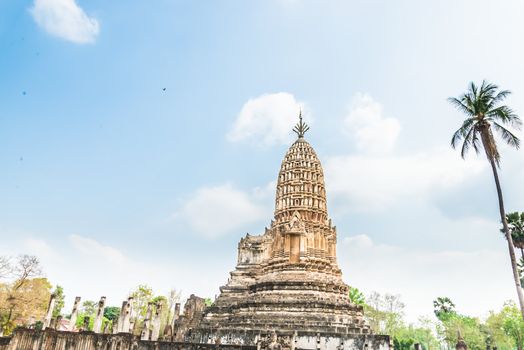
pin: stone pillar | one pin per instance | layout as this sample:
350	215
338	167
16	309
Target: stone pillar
116	324
177	312
125	316
97	325
49	314
106	328
176	316
74	314
132	316
168	333
145	335
156	322
85	327
58	322
120	322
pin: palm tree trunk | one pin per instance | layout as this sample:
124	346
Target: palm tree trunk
509	239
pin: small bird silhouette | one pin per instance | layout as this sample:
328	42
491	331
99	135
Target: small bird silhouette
21	159
164	89
24	93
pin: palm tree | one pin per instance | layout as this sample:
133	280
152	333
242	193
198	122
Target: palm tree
485	114
516	228
443	306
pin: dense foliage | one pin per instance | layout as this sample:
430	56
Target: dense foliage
503	330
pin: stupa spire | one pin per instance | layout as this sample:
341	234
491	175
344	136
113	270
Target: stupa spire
300	183
301	128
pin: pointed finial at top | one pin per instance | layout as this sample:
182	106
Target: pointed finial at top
301	128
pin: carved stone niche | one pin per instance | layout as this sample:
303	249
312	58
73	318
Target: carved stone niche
274	341
294	239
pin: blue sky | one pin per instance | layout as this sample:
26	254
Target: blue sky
114	181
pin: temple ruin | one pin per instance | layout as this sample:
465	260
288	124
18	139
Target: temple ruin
286	291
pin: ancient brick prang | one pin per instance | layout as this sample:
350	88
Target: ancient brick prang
288	279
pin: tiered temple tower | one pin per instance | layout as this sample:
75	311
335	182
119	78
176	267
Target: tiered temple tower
287	280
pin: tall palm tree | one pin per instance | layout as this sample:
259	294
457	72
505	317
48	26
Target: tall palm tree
484	116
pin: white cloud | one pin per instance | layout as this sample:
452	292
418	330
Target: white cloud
90	247
421	275
66	20
370	183
377	178
265	192
370	130
214	211
362	241
267	120
38	247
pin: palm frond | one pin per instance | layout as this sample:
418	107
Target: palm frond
473	89
462	132
461	106
487	90
507	135
485	96
506	116
455	139
470	99
470	139
465	148
499	97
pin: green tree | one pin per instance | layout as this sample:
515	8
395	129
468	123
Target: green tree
402	343
356	296
405	337
142	295
59	300
384	313
512	324
496	337
469	328
112	313
89	307
80	320
484	115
